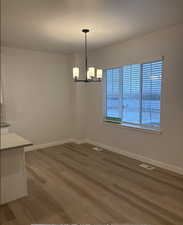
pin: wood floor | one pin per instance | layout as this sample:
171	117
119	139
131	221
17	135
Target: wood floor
74	184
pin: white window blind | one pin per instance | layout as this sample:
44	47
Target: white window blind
151	93
113	94
133	94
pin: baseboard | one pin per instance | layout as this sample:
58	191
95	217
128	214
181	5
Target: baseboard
144	159
47	145
79	141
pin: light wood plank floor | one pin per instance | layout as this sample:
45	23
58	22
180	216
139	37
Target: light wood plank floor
72	183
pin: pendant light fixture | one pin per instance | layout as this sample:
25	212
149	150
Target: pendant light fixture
92	74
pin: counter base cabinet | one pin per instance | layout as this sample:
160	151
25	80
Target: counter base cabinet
13	175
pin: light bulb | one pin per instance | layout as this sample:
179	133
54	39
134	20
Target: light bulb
99	73
75	73
91	72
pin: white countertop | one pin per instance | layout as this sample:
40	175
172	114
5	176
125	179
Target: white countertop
12	141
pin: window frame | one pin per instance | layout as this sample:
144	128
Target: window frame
143	127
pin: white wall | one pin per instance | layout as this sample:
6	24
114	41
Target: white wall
38	94
167	147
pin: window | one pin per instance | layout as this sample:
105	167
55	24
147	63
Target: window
133	94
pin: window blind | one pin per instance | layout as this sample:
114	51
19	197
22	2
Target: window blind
133	93
113	94
151	93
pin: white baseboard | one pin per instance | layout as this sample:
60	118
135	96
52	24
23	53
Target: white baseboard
47	145
79	141
141	158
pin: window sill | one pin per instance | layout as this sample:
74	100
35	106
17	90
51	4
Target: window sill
136	127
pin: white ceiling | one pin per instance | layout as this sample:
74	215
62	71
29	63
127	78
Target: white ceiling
55	25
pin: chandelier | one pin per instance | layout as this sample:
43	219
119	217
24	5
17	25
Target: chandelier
91	73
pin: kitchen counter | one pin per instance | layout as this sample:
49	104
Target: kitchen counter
13	141
12	168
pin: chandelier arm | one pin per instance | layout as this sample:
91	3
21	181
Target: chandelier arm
88	81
